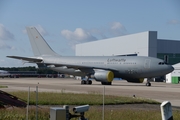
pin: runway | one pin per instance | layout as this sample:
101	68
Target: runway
158	91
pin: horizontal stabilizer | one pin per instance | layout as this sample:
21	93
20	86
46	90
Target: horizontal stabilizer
30	59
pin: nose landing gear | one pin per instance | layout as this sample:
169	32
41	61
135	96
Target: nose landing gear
148	84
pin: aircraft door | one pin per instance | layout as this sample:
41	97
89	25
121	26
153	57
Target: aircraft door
147	63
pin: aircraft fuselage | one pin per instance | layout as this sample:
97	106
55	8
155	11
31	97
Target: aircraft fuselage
122	66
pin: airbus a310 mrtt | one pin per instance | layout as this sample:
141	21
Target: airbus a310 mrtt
101	68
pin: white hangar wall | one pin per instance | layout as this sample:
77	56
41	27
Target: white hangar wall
143	44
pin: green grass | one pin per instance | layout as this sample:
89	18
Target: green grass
94	113
3	86
20	114
55	98
93	99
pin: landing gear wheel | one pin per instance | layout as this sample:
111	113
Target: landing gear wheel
106	83
89	82
148	84
83	82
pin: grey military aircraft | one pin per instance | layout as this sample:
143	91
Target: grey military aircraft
101	68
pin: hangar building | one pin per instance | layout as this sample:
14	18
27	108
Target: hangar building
141	44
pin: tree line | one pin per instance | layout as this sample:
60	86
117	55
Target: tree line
30	68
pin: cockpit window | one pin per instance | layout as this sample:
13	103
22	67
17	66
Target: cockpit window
162	63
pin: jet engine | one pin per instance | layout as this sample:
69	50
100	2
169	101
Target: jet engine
104	76
136	80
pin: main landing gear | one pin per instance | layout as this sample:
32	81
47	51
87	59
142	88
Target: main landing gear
87	81
83	82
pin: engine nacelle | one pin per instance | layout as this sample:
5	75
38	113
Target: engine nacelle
136	80
104	76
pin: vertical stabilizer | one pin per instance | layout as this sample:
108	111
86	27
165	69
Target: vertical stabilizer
38	44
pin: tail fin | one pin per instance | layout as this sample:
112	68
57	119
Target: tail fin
38	44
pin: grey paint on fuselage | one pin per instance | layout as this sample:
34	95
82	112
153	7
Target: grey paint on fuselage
122	66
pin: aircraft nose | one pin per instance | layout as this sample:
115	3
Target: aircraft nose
171	68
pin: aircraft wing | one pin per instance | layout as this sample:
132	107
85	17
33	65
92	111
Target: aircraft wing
40	63
79	67
30	59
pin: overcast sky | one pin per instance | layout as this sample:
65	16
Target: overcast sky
65	23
